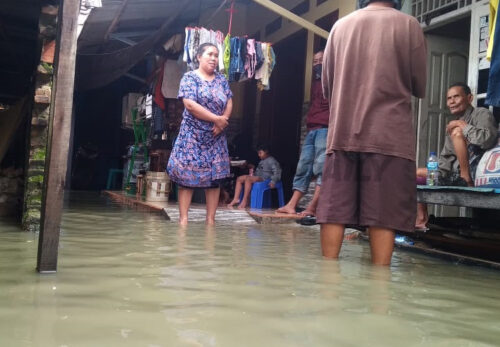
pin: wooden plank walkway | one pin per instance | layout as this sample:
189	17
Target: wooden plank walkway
197	211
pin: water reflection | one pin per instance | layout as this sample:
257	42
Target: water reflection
127	278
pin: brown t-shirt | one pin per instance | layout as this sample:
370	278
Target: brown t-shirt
374	60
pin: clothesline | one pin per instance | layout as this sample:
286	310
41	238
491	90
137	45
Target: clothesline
240	59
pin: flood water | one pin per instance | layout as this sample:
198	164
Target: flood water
128	278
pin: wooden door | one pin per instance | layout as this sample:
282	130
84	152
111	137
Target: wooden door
447	63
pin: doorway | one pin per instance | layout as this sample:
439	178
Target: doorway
281	111
447	63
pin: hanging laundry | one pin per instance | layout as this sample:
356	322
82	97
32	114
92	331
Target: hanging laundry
172	76
267	68
227	54
196	45
272	64
260	71
174	44
205	36
243	49
251	58
158	121
236	67
147	106
259	55
187	52
194	37
158	96
220	46
213	37
240	58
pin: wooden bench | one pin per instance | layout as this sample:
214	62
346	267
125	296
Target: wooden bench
460	196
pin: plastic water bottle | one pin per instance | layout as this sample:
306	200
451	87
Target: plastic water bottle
403	240
432	170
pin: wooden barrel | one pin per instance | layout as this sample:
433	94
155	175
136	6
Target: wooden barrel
157	186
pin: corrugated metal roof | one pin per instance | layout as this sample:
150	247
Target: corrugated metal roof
141	15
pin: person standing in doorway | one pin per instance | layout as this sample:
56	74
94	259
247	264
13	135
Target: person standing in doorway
375	59
200	157
312	156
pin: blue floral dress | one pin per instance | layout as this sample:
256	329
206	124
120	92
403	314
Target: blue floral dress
200	159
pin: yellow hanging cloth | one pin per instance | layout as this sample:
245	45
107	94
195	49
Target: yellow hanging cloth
492	25
227	54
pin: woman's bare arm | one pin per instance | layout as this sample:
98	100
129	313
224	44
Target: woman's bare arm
202	113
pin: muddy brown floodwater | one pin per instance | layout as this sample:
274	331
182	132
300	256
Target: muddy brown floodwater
129	278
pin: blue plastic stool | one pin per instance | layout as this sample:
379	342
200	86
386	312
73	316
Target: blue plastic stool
261	195
111	177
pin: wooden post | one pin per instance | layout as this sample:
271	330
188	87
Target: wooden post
293	17
59	135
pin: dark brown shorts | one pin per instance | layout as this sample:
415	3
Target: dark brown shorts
368	189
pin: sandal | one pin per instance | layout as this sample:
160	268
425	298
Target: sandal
307	220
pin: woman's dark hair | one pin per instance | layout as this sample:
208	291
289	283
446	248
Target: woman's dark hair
203	47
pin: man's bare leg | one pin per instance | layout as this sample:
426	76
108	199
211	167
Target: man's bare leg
292	204
212	201
332	236
422	216
237	191
460	146
249	181
311	208
381	245
185	196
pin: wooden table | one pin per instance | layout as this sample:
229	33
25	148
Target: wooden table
460	196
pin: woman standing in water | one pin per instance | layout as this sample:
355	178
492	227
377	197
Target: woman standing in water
200	157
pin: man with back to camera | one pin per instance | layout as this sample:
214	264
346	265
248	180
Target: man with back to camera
312	155
468	136
375	59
